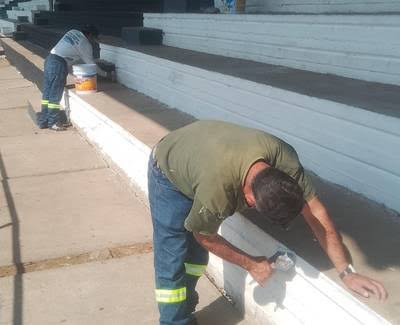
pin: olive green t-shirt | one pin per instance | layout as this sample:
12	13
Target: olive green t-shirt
209	160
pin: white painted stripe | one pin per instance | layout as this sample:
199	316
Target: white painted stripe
356	46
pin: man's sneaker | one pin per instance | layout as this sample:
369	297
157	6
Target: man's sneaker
57	127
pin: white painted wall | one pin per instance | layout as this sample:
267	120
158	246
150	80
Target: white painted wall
322	6
365	47
6	27
343	144
305	296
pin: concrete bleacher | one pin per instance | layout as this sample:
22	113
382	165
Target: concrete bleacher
327	118
355	46
327	84
26	9
109	23
322	6
340	111
107	5
123	124
12	12
110	16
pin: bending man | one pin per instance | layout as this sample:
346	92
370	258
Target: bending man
205	172
73	47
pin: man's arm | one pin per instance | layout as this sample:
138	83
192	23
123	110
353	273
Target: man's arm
323	228
258	267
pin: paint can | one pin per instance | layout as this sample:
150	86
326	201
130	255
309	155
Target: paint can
85	78
231	6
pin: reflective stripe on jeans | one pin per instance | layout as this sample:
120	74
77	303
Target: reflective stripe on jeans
195	269
171	296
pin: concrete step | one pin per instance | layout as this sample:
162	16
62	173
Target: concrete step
142	35
107	6
321	7
124	124
355	46
326	118
109	23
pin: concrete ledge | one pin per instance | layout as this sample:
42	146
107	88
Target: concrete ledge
322	131
355	46
321	6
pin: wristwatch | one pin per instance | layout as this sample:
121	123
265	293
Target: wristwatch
349	269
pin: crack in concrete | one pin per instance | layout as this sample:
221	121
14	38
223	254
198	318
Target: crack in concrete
58	173
12	108
69	260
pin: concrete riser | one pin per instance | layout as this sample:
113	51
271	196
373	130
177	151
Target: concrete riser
299	292
338	142
321	6
360	47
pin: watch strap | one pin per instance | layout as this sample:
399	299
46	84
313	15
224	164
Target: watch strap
348	270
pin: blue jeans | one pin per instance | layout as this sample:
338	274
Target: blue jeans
179	260
55	77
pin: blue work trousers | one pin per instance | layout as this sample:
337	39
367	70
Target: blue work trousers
55	77
179	260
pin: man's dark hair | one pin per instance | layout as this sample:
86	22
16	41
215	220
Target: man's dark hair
278	196
90	29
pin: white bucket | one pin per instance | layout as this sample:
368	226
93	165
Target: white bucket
85	78
231	6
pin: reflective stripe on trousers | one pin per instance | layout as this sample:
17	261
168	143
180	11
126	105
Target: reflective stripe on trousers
171	296
53	106
195	269
179	260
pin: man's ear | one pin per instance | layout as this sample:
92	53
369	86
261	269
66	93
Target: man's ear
250	199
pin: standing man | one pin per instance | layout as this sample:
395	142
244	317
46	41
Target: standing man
205	172
74	46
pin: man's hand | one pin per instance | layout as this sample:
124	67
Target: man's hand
365	286
260	269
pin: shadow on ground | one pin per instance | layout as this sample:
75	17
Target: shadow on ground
18	294
217	313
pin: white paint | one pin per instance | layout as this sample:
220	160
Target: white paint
6	27
343	144
363	47
322	6
126	151
297	296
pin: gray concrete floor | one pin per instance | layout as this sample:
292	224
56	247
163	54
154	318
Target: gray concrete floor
75	238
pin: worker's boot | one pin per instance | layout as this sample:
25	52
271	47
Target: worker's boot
193	301
57	127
